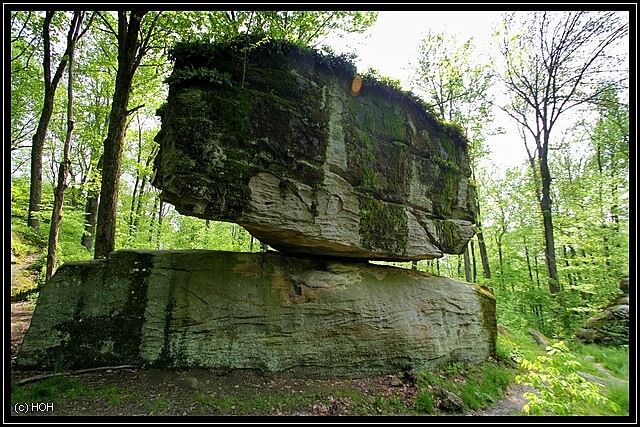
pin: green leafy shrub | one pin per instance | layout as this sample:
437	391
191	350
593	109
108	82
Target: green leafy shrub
560	390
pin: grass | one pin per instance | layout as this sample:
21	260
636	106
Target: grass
50	390
614	359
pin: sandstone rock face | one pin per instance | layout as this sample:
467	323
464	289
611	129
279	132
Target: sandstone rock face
281	315
283	146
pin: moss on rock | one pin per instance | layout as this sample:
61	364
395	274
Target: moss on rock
383	226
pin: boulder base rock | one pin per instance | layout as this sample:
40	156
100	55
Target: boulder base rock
275	139
280	315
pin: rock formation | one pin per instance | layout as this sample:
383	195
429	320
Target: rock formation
276	138
611	325
277	314
279	142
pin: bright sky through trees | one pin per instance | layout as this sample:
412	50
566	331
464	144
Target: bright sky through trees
391	46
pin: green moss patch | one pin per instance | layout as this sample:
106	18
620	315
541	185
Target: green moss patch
383	226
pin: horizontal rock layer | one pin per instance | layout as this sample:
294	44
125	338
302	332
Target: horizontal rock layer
287	149
280	315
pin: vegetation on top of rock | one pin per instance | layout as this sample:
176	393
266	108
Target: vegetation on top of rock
196	61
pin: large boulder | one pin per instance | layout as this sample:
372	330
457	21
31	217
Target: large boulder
285	142
281	315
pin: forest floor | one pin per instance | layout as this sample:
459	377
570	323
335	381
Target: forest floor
132	391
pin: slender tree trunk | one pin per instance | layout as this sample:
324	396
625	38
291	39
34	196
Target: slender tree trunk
132	211
128	60
566	264
414	265
37	147
91	207
484	257
528	259
500	260
537	271
545	206
65	163
152	222
473	263
160	218
467	264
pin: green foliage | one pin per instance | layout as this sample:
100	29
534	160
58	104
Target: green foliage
560	389
384	80
614	359
51	390
478	386
619	394
424	403
209	76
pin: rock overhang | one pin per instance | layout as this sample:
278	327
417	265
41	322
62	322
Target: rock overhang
273	137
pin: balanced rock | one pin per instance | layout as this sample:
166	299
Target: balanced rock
309	157
287	316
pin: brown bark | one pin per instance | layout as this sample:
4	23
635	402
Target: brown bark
545	207
91	208
484	257
130	51
467	265
528	259
37	147
65	163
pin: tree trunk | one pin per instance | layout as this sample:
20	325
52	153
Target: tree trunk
537	270
152	221
37	147
65	163
128	60
545	206
500	260
528	259
160	218
473	262
467	264
91	208
484	258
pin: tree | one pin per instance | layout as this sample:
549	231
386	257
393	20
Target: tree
37	147
133	43
26	83
308	28
552	60
65	163
96	67
457	87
